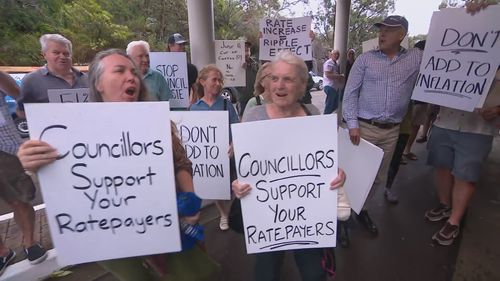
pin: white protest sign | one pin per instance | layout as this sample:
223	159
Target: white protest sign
461	56
360	163
205	135
291	205
68	95
229	58
173	66
285	34
112	192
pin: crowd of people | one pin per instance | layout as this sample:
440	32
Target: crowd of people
375	93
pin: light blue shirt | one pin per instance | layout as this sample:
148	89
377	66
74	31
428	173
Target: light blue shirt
200	105
379	88
157	86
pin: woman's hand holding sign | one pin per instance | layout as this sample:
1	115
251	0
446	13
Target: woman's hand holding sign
243	189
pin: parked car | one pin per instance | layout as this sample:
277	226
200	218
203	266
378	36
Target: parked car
318	81
232	95
21	124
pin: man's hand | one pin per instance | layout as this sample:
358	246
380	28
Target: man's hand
489	113
355	135
475	6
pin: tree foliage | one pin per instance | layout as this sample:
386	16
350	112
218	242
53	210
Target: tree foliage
364	13
94	25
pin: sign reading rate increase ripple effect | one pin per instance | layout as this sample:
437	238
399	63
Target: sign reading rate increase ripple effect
285	34
112	192
460	60
205	135
291	205
229	57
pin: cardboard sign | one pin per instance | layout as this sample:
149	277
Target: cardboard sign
205	135
360	163
111	194
68	95
173	66
460	59
285	34
289	163
229	58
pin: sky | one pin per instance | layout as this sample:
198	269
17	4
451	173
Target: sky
418	13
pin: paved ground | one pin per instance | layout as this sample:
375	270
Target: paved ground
402	251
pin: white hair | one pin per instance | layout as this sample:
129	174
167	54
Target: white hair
58	38
293	59
133	44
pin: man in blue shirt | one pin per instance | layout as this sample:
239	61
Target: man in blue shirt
377	94
157	86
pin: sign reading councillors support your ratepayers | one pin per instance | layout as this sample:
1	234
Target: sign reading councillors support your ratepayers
111	194
290	205
461	57
285	34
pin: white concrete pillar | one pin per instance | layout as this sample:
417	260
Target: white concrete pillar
201	32
341	32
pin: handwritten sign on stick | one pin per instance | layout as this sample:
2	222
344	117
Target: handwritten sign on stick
205	135
68	95
112	192
229	57
285	34
291	205
173	66
460	59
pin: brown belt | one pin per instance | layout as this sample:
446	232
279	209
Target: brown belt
377	124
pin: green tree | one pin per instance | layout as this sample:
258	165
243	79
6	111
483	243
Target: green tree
92	29
364	13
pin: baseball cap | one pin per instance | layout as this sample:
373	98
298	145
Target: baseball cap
243	38
394	21
176	38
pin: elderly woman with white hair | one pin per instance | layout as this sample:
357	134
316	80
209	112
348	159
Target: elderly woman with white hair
288	80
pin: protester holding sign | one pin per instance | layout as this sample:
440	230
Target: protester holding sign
459	145
377	94
114	78
58	73
261	88
207	88
287	84
177	43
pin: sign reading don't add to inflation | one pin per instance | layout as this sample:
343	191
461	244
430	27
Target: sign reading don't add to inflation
461	58
111	194
290	205
205	136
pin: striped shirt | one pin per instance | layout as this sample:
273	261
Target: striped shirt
9	137
379	88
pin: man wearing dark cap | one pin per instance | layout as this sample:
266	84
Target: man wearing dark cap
177	43
377	95
251	68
